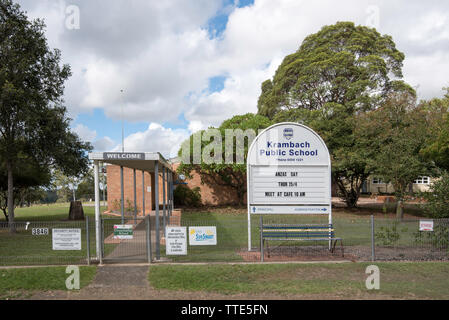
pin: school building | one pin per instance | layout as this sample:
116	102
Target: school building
211	195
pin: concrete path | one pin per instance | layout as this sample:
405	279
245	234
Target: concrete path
130	282
131	250
135	250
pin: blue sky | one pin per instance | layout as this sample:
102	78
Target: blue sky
186	65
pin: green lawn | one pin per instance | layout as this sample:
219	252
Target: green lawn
23	248
13	281
354	229
419	280
55	211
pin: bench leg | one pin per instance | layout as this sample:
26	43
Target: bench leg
268	249
342	249
333	246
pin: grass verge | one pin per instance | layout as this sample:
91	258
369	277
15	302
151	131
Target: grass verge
421	280
23	281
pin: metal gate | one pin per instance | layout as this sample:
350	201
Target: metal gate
126	240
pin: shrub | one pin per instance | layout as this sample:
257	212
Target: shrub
438	238
184	196
129	205
388	236
437	199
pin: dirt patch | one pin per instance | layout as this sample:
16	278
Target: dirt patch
132	293
363	253
292	253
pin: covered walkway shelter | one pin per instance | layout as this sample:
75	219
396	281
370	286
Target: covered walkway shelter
153	163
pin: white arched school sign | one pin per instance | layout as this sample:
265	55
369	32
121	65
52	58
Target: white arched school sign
288	172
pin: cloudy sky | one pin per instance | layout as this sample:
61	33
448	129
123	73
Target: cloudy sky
171	67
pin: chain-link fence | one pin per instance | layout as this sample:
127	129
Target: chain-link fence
362	239
219	238
47	242
403	240
125	240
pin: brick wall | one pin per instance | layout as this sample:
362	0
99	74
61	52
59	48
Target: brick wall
212	195
114	191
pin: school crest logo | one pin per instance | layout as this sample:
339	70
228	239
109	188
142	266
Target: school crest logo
288	133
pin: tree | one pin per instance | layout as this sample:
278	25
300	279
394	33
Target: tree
33	120
337	73
65	186
28	177
437	198
399	131
86	189
437	147
223	162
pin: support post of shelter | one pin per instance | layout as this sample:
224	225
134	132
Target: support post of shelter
135	196
156	204
122	197
148	237
143	193
164	207
97	213
172	205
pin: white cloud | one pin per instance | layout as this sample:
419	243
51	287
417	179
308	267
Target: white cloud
156	138
161	55
85	133
195	126
238	96
104	144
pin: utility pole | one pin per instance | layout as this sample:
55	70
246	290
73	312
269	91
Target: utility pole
123	125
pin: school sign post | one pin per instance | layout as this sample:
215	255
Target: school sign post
288	172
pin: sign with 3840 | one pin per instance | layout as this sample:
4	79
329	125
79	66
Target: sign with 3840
39	231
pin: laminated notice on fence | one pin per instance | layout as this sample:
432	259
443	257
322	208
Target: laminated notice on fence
425	225
66	239
175	240
123	232
203	236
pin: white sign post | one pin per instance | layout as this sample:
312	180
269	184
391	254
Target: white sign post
288	172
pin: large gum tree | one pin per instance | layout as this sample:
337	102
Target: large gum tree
339	72
33	122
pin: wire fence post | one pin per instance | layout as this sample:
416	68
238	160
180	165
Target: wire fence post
87	241
102	241
261	240
148	237
373	255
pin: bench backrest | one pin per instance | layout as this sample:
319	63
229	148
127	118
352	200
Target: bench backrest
302	231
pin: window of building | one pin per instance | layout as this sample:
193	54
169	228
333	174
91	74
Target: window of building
422	180
377	181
